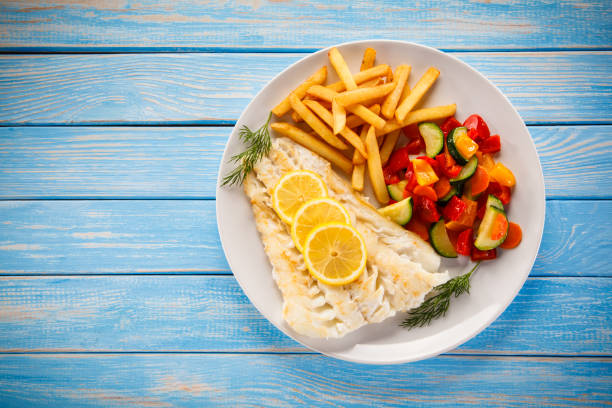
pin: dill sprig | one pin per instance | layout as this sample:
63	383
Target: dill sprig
437	305
258	145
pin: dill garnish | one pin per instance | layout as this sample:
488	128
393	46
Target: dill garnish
437	305
258	145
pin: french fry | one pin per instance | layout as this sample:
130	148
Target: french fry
315	145
389	75
339	64
317	78
371	83
360	95
401	79
353	121
388	146
362	76
357	178
367	115
369	56
296	118
338	116
419	115
377	179
405	94
315	123
322	92
422	86
347	133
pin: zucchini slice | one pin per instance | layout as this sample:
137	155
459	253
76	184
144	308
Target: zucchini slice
400	212
396	191
493	201
467	171
454	190
433	137
450	142
484	240
440	241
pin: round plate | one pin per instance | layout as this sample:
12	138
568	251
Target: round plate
494	285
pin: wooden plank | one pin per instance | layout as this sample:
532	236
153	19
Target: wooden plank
182	162
154	24
180	236
550	87
211	314
195	380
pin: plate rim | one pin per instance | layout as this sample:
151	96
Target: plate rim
539	230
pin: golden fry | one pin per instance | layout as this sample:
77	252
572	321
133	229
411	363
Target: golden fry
419	115
321	92
338	116
353	121
375	172
369	56
312	143
426	81
367	115
388	146
371	83
362	76
296	118
347	133
339	64
401	79
315	123
360	95
357	179
317	78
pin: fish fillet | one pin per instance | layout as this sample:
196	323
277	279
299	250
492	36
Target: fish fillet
401	267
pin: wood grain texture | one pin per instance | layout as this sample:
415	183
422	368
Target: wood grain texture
182	162
155	24
180	236
549	87
211	314
231	380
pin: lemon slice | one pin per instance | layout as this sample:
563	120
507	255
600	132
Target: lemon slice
313	213
293	190
335	253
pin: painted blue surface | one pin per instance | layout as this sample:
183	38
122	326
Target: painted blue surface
130	302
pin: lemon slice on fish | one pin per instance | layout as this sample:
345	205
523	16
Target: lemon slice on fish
293	190
313	213
335	253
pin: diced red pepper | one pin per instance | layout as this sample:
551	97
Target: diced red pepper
478	255
453	210
464	242
418	227
415	146
412	132
426	209
447	166
391	201
492	144
399	160
482	206
432	162
477	128
390	177
449	124
499	191
411	177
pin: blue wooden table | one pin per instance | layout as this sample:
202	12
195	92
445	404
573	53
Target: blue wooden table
114	288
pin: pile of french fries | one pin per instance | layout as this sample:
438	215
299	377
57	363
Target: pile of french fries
367	110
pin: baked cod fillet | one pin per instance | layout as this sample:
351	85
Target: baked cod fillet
401	267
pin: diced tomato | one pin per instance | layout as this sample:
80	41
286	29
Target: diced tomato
449	124
419	227
425	191
464	242
426	209
478	255
399	160
453	210
491	144
412	132
499	191
477	128
390	177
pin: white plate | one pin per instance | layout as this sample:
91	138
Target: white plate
495	284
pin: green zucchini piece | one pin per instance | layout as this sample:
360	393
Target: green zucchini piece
440	241
467	171
454	190
493	201
450	143
396	191
483	241
400	212
433	137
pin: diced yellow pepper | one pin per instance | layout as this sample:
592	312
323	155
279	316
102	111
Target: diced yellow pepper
502	175
487	162
466	146
425	174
